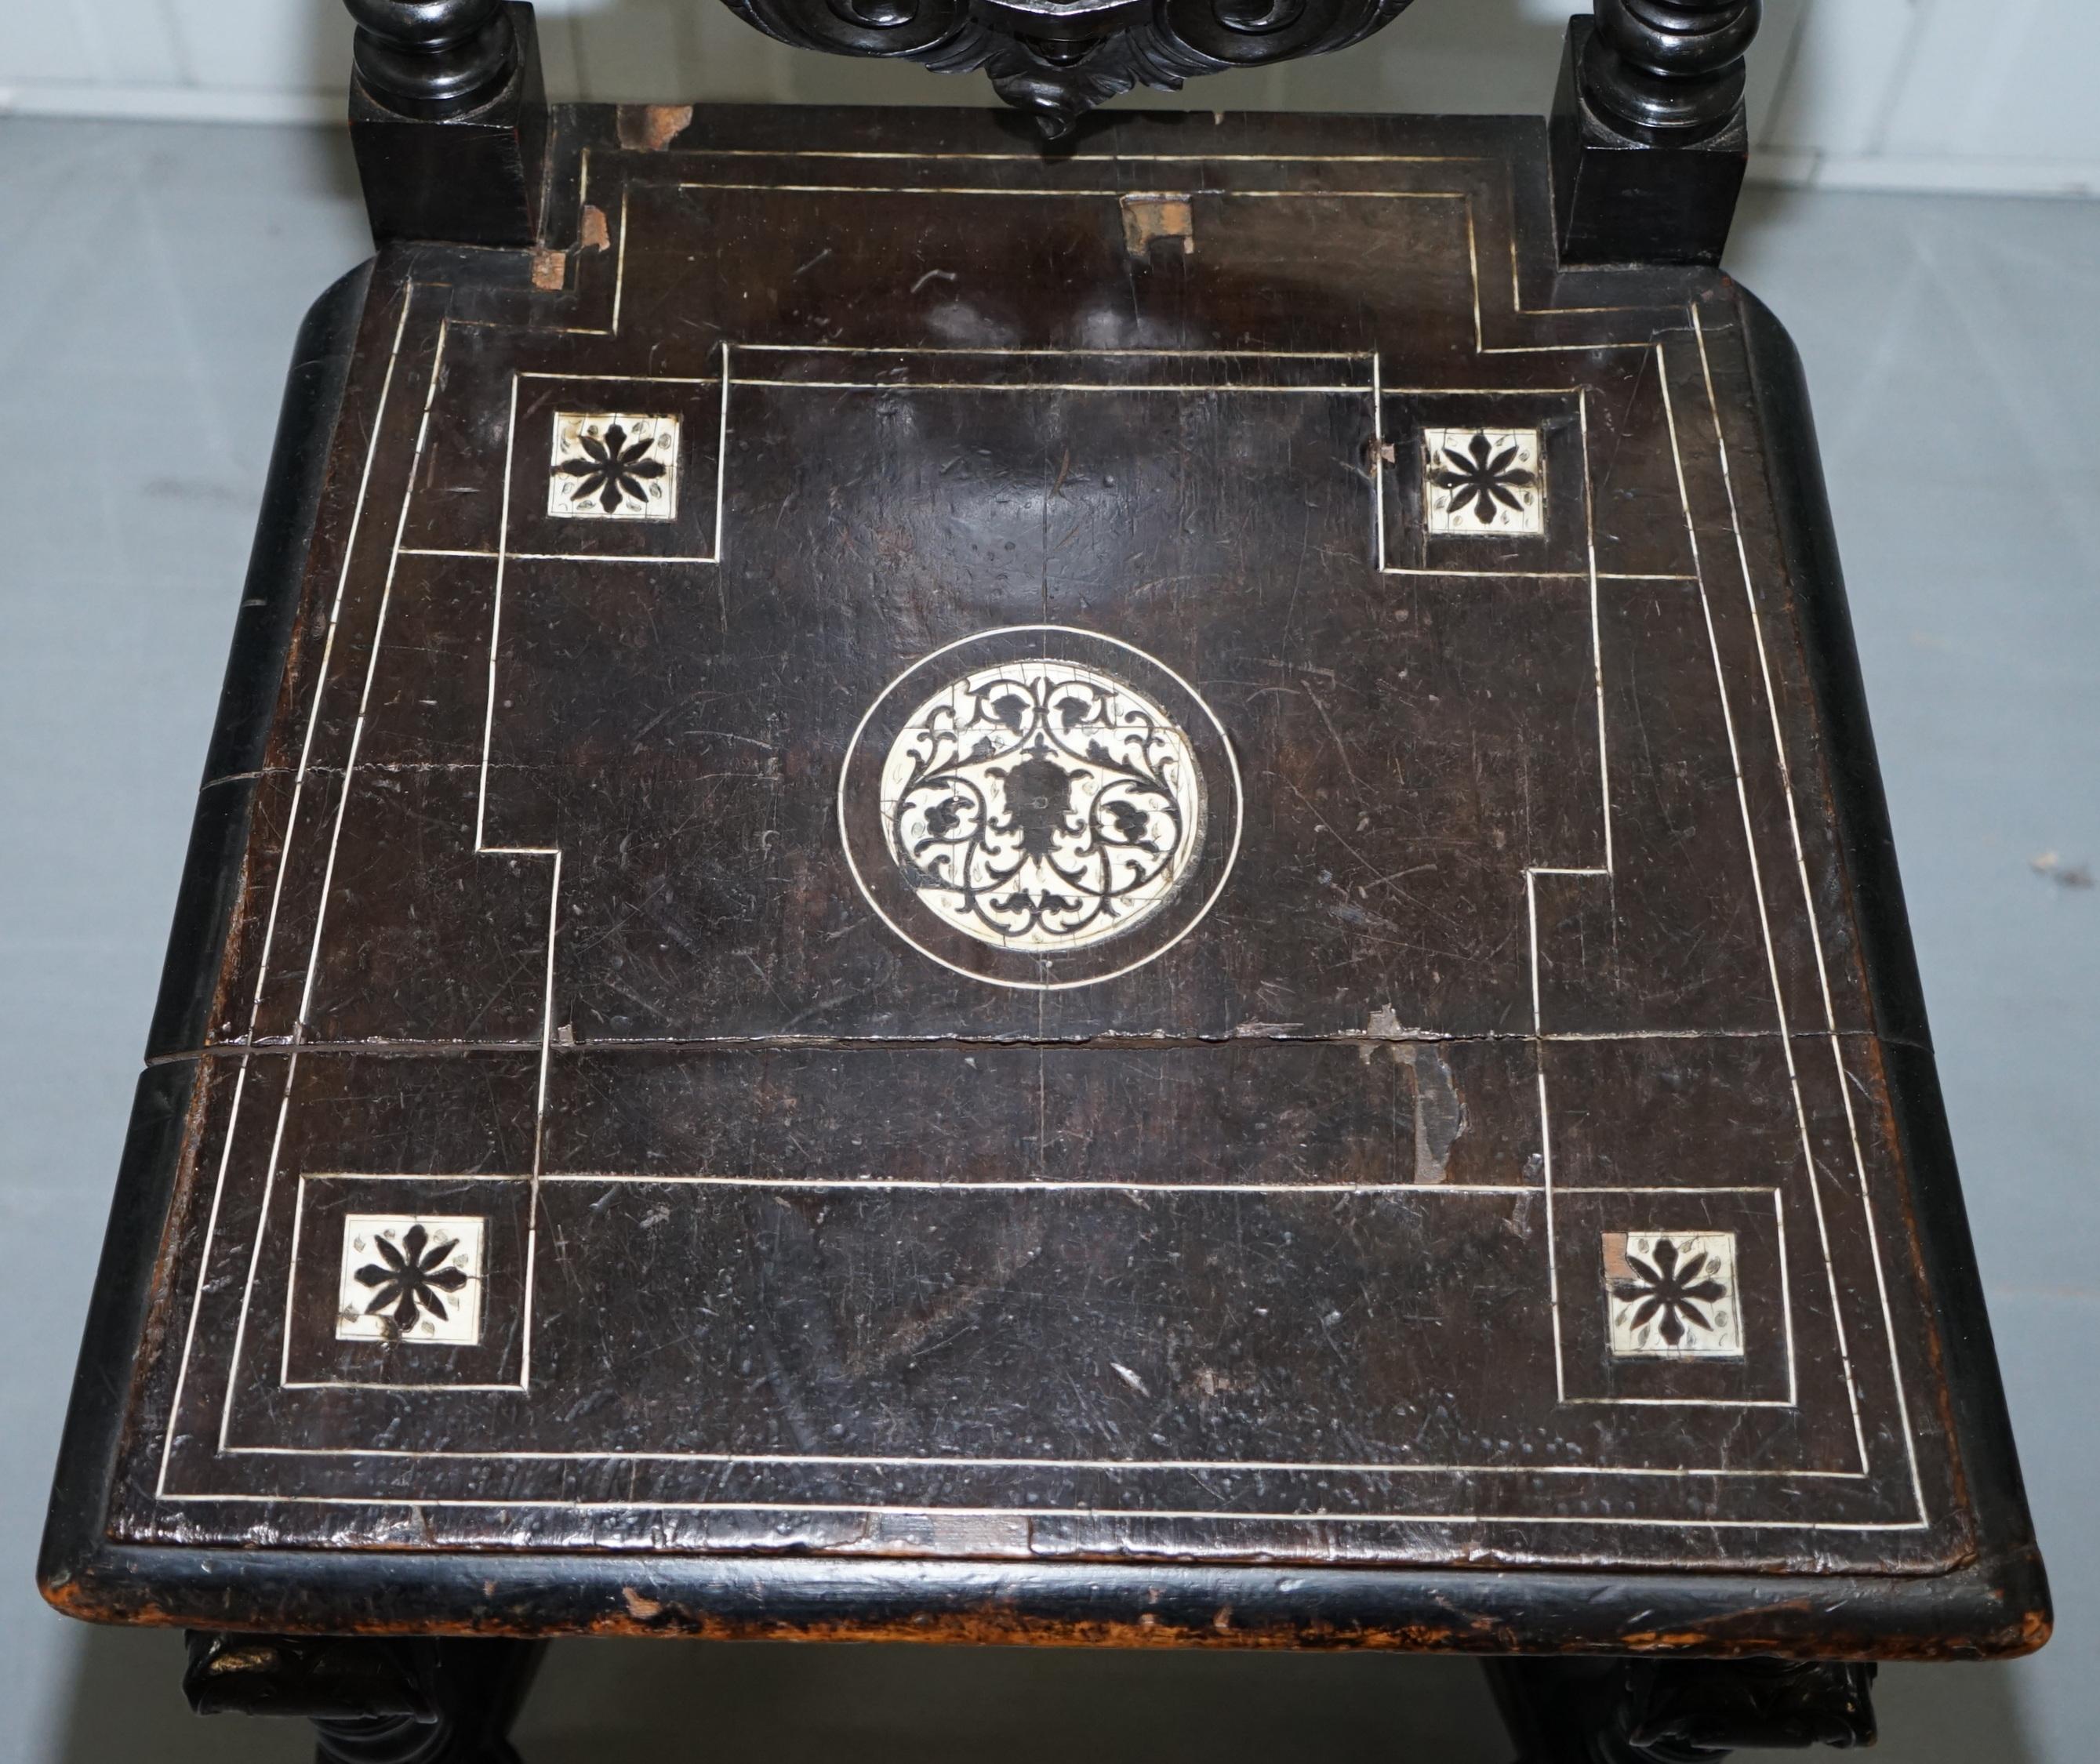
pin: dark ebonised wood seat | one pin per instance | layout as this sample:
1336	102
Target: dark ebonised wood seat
1124	890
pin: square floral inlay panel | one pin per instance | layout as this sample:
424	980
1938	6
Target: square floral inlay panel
410	1278
1477	481
1672	1295
609	465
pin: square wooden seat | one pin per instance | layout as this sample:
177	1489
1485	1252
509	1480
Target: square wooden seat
1136	894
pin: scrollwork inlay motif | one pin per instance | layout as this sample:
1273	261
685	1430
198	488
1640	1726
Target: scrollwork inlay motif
1041	806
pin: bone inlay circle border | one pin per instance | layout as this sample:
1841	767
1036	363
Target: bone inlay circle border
1189	806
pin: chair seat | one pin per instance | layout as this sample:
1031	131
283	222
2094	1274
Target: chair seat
955	891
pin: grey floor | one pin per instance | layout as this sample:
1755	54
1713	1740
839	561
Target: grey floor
149	286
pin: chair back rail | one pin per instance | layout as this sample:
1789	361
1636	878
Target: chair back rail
1649	135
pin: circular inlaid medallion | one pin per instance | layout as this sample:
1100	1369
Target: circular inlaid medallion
1040	806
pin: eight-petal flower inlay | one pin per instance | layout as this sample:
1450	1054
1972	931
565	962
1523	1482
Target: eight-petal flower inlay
1673	1294
610	465
406	1278
413	1275
1483	481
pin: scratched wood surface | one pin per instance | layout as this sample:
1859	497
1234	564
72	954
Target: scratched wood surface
1118	857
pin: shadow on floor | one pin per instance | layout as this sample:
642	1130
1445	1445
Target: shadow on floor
799	1704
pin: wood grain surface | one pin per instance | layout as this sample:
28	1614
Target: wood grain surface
1288	1223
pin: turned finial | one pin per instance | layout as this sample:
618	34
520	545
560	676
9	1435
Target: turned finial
1672	68
434	58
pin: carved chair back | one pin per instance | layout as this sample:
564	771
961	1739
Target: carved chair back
1649	138
1668	68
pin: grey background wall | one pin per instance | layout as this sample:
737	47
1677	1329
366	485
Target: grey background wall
1968	95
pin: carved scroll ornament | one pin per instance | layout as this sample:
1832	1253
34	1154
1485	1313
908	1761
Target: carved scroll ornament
1059	59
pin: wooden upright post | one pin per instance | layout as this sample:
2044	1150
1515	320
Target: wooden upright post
1649	136
448	115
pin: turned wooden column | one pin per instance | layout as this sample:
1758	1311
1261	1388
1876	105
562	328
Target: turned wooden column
449	114
1649	136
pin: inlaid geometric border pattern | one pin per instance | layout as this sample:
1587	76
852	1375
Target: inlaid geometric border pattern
1662	349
